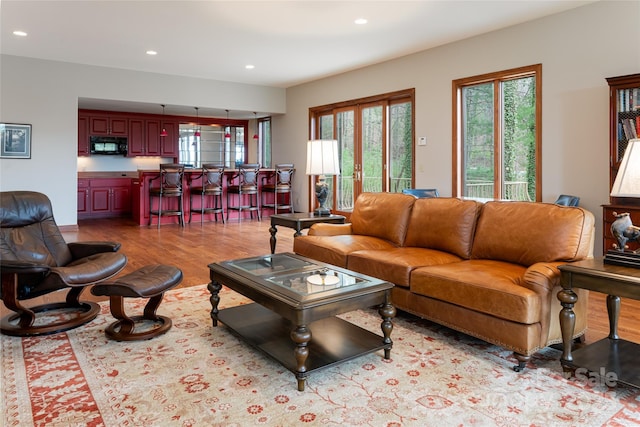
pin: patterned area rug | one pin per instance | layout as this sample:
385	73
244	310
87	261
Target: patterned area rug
197	375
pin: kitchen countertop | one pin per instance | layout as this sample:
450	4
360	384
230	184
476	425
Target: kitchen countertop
137	173
114	174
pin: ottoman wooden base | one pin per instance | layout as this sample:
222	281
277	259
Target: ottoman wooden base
150	282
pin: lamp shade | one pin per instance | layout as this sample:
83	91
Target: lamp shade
322	157
627	183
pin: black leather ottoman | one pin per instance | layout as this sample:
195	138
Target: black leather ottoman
151	281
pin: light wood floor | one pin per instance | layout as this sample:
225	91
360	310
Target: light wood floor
193	247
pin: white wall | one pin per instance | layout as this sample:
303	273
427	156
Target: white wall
45	94
578	49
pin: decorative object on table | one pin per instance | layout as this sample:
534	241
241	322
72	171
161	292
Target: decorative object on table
15	141
627	184
322	160
624	231
323	279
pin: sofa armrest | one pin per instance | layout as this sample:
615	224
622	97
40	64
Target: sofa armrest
322	229
542	277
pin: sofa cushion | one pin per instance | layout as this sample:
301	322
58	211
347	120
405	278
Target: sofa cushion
383	215
527	232
487	286
395	265
334	249
447	224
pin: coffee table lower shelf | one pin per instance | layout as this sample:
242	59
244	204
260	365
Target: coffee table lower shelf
607	356
333	340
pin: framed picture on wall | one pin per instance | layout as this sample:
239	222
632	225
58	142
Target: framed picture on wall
15	141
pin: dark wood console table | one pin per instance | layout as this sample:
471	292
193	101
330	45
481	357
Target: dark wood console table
299	221
611	354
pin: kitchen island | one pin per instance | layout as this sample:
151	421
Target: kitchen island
143	181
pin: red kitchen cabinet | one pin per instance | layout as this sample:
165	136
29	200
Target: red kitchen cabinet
104	197
105	125
83	197
83	136
137	142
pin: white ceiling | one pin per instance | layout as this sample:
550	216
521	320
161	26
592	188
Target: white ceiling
288	42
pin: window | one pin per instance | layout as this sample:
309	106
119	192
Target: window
375	144
264	141
497	134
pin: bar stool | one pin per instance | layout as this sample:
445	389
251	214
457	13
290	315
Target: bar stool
281	188
211	186
246	186
170	177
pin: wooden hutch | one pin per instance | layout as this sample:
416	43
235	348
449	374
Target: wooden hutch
624	124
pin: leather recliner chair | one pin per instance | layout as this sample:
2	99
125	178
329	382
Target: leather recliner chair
35	260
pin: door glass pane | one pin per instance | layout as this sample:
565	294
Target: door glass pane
264	134
478	138
237	139
326	127
400	147
372	149
345	136
519	139
326	132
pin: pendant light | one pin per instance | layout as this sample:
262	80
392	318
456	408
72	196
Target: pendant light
227	134
255	135
164	131
197	129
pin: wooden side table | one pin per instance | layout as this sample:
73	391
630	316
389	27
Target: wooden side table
299	221
611	354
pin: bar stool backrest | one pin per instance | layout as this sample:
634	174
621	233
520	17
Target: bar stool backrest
284	174
212	174
171	177
248	173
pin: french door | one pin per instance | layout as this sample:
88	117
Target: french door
375	144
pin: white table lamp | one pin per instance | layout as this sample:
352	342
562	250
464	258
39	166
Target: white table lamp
322	160
626	184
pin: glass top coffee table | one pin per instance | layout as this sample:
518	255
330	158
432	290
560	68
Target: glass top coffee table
293	317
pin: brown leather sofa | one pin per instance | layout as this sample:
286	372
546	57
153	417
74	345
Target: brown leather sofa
489	270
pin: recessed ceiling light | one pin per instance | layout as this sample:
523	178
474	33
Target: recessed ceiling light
249	66
19	33
152	52
360	21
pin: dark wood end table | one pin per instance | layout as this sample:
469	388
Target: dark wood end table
611	355
299	221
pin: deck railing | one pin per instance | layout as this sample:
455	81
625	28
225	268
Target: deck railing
514	190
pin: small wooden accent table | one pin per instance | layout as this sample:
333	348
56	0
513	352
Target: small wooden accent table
299	221
293	319
610	354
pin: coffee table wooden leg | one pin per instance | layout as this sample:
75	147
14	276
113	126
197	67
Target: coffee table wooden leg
272	241
387	312
214	287
301	336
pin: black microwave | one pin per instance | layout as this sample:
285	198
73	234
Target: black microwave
108	145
